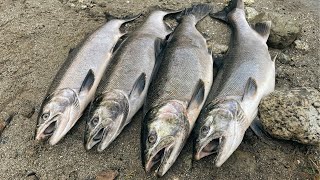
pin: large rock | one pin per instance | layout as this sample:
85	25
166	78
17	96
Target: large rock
292	115
251	13
284	29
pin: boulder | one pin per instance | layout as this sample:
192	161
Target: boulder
292	115
284	29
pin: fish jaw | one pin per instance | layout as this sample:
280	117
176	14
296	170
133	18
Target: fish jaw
158	152
221	130
64	124
163	136
59	113
109	118
230	141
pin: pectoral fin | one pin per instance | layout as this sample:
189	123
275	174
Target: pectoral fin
87	82
250	89
198	96
138	87
257	128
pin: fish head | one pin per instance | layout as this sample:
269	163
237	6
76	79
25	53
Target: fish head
107	120
58	113
163	136
219	130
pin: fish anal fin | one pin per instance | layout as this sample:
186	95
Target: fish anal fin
198	96
250	89
217	61
138	87
87	82
158	46
263	28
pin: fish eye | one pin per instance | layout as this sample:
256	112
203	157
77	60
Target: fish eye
45	116
94	121
205	130
152	138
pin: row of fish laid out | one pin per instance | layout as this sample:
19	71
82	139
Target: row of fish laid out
170	74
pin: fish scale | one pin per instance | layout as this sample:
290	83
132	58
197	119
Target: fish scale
93	50
180	75
126	82
246	75
77	80
177	93
129	68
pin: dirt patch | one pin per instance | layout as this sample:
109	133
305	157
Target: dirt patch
36	36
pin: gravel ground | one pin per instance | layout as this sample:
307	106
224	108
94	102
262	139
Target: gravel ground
36	36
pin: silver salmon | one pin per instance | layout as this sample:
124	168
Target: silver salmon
247	74
177	93
127	80
76	82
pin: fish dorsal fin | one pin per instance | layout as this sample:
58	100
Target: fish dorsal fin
138	86
263	28
217	60
250	89
87	82
198	96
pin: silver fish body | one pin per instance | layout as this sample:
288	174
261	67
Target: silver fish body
247	75
76	82
126	82
177	94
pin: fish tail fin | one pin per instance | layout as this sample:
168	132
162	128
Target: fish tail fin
131	18
199	11
166	11
126	19
223	15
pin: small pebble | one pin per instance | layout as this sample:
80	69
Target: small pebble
83	6
107	175
283	58
248	2
316	104
301	45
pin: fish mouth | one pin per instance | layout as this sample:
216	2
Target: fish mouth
223	143
47	129
104	136
211	146
95	138
161	156
164	155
